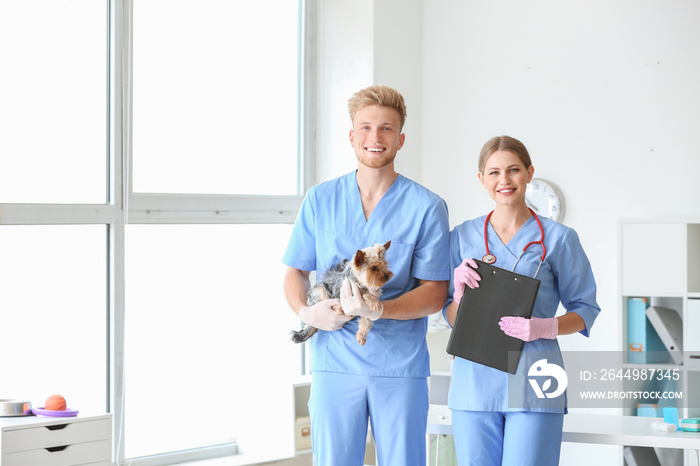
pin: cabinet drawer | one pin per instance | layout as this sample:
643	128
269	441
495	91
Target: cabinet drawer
46	436
78	454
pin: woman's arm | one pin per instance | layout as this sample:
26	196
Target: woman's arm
451	313
570	323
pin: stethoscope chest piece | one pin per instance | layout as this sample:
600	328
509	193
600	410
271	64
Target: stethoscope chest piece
489	258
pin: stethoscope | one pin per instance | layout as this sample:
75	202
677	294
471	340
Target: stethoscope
490	258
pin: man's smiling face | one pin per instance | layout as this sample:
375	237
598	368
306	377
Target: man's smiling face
376	135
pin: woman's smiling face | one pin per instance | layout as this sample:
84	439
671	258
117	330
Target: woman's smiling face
505	177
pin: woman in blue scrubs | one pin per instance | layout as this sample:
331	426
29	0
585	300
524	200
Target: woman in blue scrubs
385	380
489	428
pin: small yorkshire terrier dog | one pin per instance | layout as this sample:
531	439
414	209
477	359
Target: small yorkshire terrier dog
369	270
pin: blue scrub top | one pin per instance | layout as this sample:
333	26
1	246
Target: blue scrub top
331	226
566	276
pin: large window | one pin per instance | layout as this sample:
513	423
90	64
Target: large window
53	101
215	96
53	150
152	160
204	313
53	333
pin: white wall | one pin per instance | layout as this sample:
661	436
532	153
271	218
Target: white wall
344	27
605	95
361	43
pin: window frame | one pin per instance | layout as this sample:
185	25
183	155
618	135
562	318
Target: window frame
123	207
175	208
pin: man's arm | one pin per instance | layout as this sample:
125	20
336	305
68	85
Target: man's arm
428	298
296	285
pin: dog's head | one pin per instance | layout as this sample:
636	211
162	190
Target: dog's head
371	266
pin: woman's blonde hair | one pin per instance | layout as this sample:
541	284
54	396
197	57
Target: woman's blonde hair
378	95
504	143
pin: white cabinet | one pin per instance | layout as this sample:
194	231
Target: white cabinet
660	261
56	441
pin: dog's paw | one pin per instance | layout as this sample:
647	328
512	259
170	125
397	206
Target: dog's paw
297	337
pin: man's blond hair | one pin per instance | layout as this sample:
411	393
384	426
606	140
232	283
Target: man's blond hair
378	95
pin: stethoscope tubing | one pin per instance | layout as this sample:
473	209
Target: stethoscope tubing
491	259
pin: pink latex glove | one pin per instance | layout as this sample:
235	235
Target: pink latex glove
530	329
465	275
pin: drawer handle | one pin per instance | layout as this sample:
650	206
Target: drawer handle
55	449
57	427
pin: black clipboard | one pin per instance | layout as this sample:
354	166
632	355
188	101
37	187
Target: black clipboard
476	335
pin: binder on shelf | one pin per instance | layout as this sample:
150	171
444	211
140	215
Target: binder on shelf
302	433
644	344
691	343
476	335
669	326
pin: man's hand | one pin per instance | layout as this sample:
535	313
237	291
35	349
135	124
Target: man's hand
322	315
354	305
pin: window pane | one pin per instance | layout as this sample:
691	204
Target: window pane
54	317
207	349
215	96
53	101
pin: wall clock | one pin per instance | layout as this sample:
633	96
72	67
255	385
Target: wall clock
545	198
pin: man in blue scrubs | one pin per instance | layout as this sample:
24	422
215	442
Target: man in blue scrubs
385	380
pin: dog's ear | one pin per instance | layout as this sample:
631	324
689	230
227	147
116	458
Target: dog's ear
359	257
386	246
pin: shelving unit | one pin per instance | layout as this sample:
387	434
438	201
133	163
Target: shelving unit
302	424
660	260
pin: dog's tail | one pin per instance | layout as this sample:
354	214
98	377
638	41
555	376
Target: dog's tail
302	335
